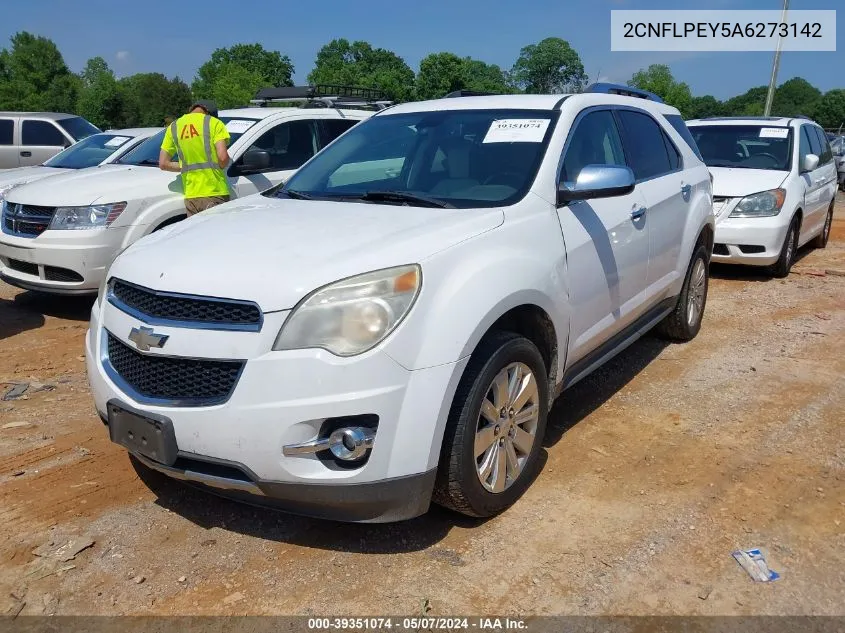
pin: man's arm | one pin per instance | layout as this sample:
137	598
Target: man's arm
164	163
222	154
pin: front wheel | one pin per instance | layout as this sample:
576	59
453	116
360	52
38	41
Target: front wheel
491	447
684	322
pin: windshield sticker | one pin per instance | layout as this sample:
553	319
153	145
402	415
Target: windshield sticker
774	132
239	126
117	141
517	131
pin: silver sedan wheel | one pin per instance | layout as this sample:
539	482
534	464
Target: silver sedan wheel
507	427
697	288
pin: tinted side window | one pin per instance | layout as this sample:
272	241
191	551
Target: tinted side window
644	145
681	128
332	128
289	145
672	151
815	144
826	153
595	141
41	133
7	132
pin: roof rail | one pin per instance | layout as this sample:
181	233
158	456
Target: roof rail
626	91
803	116
324	96
468	93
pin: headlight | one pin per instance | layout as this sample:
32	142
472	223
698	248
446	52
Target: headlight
93	217
354	315
763	204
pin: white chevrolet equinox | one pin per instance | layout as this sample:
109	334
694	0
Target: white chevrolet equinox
391	326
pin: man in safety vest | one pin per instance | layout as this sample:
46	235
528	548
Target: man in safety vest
200	140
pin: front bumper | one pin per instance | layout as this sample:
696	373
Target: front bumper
60	262
750	241
283	398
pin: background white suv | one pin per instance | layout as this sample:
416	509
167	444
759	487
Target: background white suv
393	324
774	187
60	236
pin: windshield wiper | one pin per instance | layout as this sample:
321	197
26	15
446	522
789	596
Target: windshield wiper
296	195
147	162
401	196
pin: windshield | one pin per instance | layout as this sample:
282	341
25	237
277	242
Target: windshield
744	146
88	152
458	158
78	127
146	154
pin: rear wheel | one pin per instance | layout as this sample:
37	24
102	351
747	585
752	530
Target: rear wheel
784	263
684	322
491	447
821	239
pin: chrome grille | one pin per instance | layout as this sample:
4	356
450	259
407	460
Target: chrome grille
26	220
156	307
170	380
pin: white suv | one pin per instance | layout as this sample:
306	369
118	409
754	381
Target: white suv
774	187
393	324
59	236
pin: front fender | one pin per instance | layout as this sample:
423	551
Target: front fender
149	214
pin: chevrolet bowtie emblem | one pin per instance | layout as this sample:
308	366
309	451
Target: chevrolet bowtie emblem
144	338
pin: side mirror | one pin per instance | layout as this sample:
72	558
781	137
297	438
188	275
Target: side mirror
597	181
255	160
810	162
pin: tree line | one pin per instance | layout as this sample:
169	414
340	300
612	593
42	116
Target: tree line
34	76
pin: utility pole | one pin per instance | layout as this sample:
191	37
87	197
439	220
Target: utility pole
770	95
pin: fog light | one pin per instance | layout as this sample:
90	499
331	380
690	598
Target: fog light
350	444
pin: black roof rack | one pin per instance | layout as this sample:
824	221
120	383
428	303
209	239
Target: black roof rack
324	96
468	93
627	91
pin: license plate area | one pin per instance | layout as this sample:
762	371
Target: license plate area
146	434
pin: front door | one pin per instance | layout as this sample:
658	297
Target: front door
607	245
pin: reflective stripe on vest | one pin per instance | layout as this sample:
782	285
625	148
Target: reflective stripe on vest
206	137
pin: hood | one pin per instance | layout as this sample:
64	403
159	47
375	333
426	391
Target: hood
22	175
729	182
101	184
275	252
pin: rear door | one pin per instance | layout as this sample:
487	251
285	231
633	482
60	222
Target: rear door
289	144
9	153
658	168
827	175
813	183
606	239
40	140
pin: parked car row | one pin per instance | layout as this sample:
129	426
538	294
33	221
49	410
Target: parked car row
385	314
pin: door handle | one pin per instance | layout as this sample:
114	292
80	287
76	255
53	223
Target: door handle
26	154
685	190
636	214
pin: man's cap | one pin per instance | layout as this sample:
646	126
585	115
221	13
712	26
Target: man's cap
208	106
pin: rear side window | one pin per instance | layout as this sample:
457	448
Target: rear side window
41	133
672	151
595	141
681	128
7	132
332	128
644	145
815	143
826	153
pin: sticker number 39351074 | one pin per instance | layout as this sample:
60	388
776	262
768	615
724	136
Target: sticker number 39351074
517	131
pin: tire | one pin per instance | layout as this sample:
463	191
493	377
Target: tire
820	241
781	268
459	484
684	322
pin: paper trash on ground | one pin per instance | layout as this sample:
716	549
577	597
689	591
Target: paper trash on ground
753	562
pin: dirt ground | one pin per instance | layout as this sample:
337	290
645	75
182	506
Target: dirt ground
657	468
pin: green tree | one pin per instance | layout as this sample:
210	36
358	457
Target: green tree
99	97
658	79
441	73
270	67
701	107
359	64
830	109
750	103
549	67
235	85
149	98
795	96
29	71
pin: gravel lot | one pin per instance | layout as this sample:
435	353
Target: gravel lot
657	468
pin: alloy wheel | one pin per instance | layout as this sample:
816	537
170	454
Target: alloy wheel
697	289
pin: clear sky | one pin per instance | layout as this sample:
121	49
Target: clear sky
176	37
